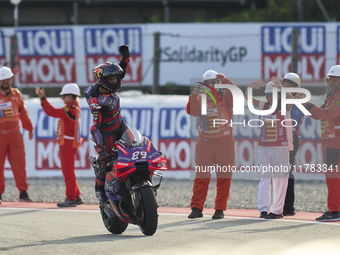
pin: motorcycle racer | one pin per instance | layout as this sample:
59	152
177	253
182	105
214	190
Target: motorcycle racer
108	125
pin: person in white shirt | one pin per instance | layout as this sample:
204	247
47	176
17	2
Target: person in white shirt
273	150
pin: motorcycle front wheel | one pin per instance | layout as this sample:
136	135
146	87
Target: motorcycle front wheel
112	223
149	217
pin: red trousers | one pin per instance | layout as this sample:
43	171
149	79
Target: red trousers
12	145
333	179
333	187
219	153
68	159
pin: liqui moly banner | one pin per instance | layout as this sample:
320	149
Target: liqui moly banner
102	44
276	48
54	56
174	137
46	56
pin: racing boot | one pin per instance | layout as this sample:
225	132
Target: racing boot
100	192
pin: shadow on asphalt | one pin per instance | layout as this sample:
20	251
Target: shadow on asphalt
18	213
210	223
203	224
79	239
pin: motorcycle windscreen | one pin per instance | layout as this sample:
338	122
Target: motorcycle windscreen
132	137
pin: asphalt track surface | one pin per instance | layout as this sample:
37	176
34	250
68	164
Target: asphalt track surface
43	228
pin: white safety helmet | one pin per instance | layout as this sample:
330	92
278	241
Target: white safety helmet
294	78
5	73
70	88
269	87
209	75
334	71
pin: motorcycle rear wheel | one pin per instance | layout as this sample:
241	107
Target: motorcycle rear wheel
149	217
113	224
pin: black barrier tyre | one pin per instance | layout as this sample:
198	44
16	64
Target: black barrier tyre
112	223
149	217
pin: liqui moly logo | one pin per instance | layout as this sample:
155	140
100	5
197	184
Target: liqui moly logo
102	44
46	56
277	47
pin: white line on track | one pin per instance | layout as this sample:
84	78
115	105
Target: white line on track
178	214
249	218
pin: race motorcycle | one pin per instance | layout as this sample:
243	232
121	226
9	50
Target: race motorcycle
129	187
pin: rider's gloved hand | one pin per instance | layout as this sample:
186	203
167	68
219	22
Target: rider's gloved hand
124	51
105	158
